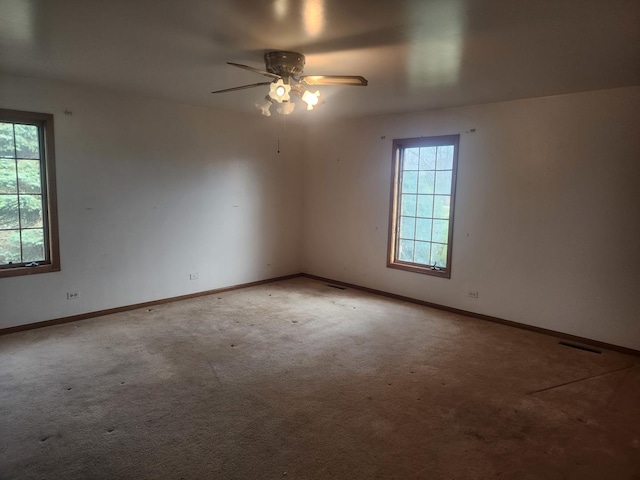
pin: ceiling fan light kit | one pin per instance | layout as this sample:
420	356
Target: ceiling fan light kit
286	69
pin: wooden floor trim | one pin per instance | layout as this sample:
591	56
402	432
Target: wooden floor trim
510	323
109	311
545	331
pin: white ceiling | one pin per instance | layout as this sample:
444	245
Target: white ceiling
416	54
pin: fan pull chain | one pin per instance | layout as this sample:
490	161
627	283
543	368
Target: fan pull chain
281	127
278	122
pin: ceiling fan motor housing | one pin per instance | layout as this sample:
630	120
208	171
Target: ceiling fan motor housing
285	64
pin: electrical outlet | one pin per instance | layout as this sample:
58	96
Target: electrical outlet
472	294
73	295
193	276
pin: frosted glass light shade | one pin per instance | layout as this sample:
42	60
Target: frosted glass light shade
279	91
311	99
264	106
286	108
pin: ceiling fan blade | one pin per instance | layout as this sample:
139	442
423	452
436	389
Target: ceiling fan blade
255	70
242	87
354	80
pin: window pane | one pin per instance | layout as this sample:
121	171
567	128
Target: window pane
410	161
428	158
439	255
408	207
9	247
426	182
33	245
445	157
442	206
422	252
9	212
409	182
8	176
440	231
423	203
28	230
29	176
406	251
407	227
443	182
31	211
6	140
425	206
27	142
423	229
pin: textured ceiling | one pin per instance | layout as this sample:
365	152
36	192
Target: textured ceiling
416	54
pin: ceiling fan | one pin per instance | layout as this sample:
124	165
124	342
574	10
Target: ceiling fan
285	68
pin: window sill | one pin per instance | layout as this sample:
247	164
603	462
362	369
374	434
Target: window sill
20	271
415	268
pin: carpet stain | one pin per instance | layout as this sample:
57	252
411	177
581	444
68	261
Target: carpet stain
47	437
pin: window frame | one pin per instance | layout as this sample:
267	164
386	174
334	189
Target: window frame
399	145
44	122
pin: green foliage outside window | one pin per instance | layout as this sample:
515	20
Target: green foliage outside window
21	199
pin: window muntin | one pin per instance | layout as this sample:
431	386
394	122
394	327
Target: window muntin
423	193
28	224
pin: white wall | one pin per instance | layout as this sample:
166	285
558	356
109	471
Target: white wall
546	222
547	227
150	191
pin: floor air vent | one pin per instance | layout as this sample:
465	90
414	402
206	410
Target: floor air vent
580	347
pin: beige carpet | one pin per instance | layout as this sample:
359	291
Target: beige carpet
298	380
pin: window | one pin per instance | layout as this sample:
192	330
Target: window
422	199
28	215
